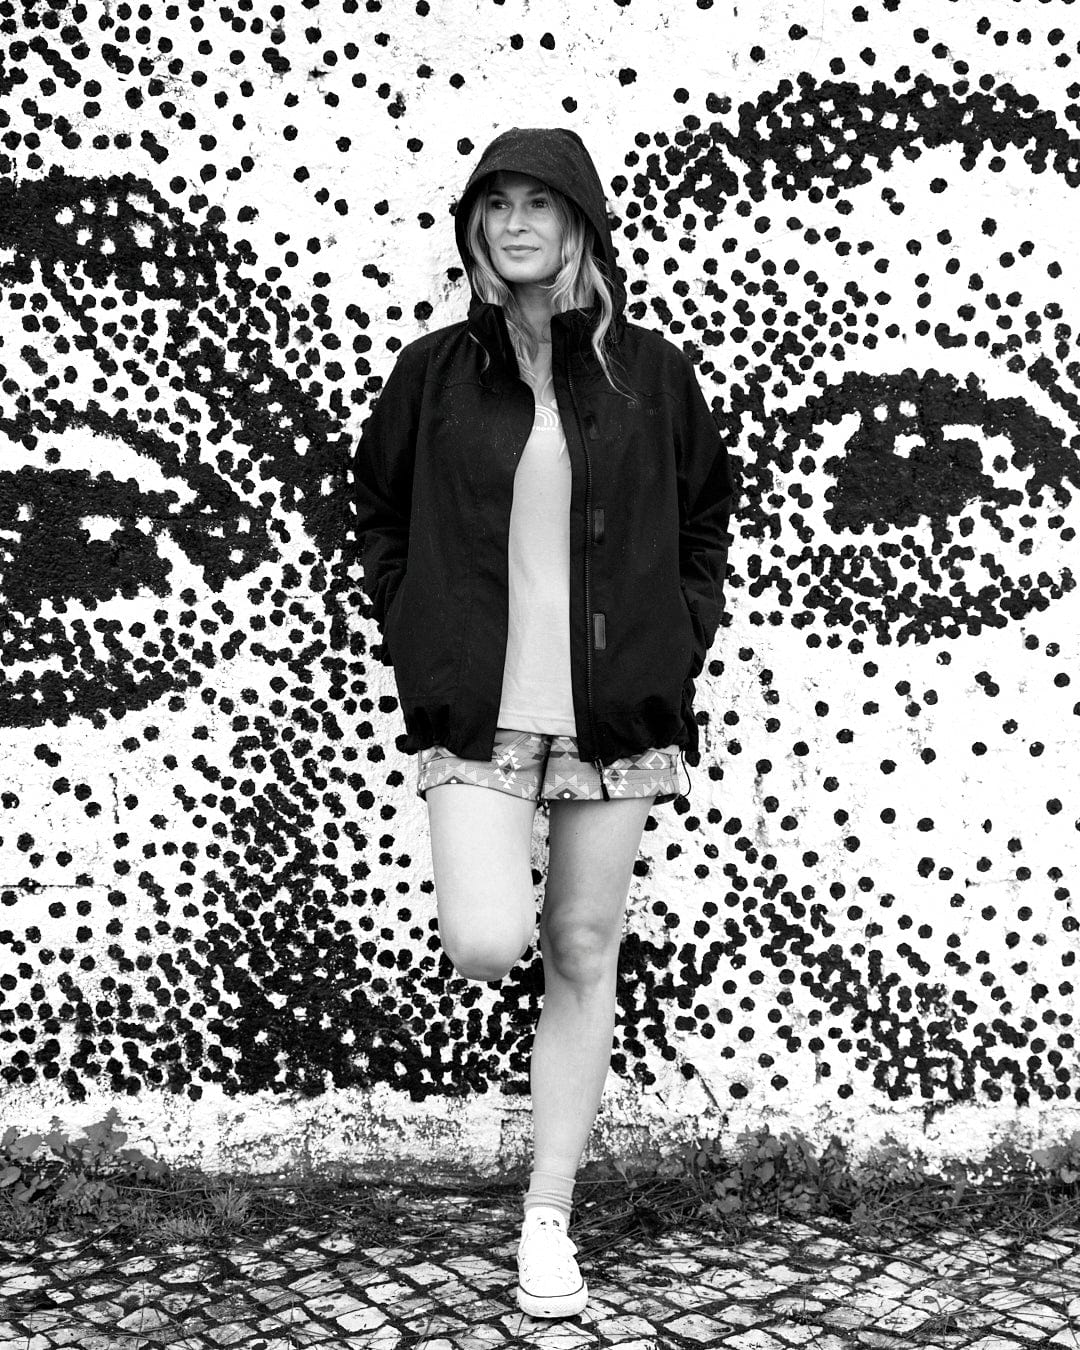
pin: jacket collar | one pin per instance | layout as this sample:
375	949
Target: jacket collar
487	324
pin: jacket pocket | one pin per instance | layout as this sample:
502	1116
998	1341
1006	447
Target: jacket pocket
697	637
390	621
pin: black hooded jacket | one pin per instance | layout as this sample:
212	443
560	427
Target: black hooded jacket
650	500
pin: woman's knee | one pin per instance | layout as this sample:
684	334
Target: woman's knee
582	954
485	956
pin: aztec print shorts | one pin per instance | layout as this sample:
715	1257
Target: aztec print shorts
546	768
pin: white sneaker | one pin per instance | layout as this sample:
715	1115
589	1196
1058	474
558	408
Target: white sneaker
549	1282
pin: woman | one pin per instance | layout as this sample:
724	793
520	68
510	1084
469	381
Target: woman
543	502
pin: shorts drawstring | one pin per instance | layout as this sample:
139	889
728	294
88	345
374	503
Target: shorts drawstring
685	769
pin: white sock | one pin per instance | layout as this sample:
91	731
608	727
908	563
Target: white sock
552	1191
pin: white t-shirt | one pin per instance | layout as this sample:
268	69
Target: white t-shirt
536	690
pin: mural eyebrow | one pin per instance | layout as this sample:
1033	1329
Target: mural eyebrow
927	115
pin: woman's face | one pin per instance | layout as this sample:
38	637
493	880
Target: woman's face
523	232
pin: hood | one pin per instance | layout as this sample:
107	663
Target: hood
557	156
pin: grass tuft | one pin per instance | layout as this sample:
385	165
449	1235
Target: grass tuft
52	1184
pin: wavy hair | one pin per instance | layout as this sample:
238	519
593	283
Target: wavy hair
580	283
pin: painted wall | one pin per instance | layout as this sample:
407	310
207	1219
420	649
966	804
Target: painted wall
218	225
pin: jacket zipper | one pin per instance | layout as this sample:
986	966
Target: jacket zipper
597	763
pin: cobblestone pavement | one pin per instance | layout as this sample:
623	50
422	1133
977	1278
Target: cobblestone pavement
782	1286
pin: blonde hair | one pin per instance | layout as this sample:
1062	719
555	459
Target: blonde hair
580	282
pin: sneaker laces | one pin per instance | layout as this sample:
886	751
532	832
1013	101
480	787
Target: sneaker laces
543	1241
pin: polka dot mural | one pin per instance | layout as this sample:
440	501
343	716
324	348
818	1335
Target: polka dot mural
219	224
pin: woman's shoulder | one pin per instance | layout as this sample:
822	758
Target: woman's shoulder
647	350
433	342
654	344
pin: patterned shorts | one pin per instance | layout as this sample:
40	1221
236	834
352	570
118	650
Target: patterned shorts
546	768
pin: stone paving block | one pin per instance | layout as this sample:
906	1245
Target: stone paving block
23	1284
797	1303
785	1275
189	1337
102	1312
935	1299
196	1270
844	1315
686	1298
363	1319
844	1272
614	1329
181	1301
752	1288
902	1318
145	1319
555	1335
683	1265
823	1246
316	1282
476	1310
1006	1300
230	1333
726	1280
390	1292
758	1249
479	1335
1039	1315
652	1309
886	1287
273	1298
831	1289
390	1256
426	1274
333	1306
994	1342
138	1265
905	1273
754	1340
386	1338
1069	1337
742	1314
795	1333
695	1327
434	1324
47	1319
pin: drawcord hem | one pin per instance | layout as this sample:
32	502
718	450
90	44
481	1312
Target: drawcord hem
599	767
685	770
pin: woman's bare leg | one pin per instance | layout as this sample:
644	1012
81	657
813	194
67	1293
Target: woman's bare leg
592	850
481	860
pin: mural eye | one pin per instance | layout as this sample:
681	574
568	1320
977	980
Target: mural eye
74	535
954	486
929	447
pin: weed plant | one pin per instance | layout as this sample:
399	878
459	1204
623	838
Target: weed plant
53	1184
